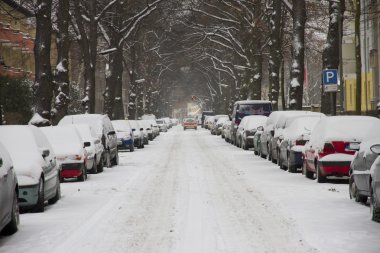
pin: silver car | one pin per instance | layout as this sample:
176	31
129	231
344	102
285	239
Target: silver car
9	210
35	165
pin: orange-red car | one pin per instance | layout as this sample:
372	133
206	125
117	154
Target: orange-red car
189	123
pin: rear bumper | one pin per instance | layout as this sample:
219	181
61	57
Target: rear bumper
334	168
125	144
296	158
71	170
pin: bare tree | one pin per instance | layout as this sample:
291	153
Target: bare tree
42	88
298	54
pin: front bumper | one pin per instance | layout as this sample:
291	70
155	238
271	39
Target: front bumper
28	196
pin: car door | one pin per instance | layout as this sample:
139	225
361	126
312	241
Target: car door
4	192
49	167
6	186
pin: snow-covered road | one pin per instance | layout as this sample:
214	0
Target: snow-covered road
192	192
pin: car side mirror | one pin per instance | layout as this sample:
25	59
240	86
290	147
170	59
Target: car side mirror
45	153
141	129
1	162
133	129
376	149
260	128
87	144
111	133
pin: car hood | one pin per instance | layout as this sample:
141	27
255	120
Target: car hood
28	172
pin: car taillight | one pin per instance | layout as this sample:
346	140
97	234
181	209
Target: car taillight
328	148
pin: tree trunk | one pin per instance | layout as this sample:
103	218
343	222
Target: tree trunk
330	56
275	53
133	102
62	88
42	88
88	43
298	50
358	58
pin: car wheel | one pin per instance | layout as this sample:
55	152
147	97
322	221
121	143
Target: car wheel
12	226
40	206
94	168
245	145
115	160
291	168
374	206
255	152
131	148
108	159
278	161
261	153
306	172
57	196
269	153
320	177
100	164
82	177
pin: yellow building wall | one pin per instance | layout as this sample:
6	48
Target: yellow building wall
350	93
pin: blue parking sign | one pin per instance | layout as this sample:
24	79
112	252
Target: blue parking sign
330	80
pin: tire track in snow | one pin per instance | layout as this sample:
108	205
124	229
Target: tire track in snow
247	221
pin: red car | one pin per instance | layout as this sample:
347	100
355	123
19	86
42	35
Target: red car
189	123
333	143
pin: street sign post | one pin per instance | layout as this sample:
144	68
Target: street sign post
330	80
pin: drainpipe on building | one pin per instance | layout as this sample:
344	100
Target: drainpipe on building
375	55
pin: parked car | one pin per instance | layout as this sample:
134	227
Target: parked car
124	135
138	135
247	129
360	176
374	186
333	143
268	132
145	131
246	108
9	209
161	125
219	125
104	130
214	127
35	165
154	126
189	123
204	114
95	151
148	128
226	133
208	122
70	151
292	140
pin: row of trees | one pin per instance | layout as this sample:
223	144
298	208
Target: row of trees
222	50
116	29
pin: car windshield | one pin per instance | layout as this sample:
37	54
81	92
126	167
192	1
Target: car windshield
189	120
121	126
160	122
254	109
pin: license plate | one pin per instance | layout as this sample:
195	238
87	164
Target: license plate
354	146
